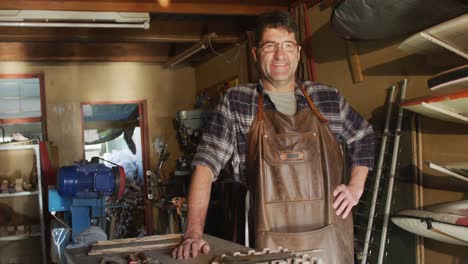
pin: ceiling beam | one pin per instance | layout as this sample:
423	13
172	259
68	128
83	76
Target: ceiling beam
195	7
227	39
83	52
166	29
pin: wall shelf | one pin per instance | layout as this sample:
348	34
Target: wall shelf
19	237
16	194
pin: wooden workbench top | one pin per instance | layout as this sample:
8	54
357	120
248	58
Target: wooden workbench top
218	247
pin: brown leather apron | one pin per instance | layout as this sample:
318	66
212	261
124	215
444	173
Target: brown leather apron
293	165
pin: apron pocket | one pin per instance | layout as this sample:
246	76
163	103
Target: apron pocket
321	241
292	168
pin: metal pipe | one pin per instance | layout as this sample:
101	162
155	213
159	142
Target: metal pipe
378	174
203	44
144	25
392	173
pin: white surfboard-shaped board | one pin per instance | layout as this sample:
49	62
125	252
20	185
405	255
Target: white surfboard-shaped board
451	107
450	80
457	170
450	35
447	222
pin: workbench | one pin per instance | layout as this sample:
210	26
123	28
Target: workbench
218	247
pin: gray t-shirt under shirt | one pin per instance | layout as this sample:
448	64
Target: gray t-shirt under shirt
285	103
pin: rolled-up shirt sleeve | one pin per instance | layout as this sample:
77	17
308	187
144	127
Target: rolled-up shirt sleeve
359	136
217	143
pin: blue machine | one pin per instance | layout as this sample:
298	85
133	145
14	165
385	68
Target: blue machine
81	190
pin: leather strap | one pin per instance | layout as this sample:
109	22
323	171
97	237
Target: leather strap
312	105
260	106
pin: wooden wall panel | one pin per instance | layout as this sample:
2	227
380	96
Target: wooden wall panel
67	52
212	7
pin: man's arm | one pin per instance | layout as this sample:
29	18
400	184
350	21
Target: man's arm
198	199
347	196
359	137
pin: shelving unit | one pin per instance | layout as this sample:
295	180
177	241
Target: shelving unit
442	177
37	193
440	158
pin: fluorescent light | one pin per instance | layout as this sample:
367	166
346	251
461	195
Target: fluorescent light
45	18
145	25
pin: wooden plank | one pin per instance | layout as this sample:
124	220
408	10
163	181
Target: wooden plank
21	120
354	62
416	142
111	124
130	249
139	239
175	7
451	107
149	52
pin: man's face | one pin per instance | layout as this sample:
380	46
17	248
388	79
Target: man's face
277	56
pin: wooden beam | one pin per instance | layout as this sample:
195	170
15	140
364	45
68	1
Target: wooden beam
111	124
171	29
14	51
354	62
133	248
138	239
115	38
176	7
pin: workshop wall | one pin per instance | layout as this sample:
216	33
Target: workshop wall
68	84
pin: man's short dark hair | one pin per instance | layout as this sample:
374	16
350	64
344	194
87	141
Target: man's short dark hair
274	19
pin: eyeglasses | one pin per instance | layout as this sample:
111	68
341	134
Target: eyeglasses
271	46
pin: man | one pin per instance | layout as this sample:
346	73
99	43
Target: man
282	139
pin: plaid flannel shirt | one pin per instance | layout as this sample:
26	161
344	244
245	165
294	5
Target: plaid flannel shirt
225	136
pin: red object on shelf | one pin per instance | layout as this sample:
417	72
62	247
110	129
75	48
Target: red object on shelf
48	171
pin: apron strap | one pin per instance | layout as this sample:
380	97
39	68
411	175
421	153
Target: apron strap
312	105
260	106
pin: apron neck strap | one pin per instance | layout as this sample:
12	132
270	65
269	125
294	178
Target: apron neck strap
306	95
260	105
311	104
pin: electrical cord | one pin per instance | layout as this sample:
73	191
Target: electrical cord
53	213
226	59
